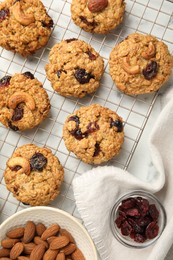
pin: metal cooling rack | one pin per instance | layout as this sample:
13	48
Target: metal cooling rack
144	16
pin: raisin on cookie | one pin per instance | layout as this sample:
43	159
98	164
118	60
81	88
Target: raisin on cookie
97	16
25	26
23	102
75	68
140	64
34	175
94	134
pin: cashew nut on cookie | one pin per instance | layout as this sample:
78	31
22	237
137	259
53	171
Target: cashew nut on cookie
150	52
20	16
21	97
20	161
131	69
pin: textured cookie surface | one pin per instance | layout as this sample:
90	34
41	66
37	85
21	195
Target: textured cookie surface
23	101
75	68
34	175
25	26
97	16
140	64
94	134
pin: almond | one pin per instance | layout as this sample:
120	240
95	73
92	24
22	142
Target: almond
28	248
16	232
77	255
50	254
38	252
38	240
22	257
29	232
16	250
5	258
4	252
9	242
68	249
50	231
64	232
97	5
59	242
60	256
50	239
40	228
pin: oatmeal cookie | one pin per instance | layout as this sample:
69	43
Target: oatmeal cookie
75	68
25	26
23	101
97	16
140	64
94	134
34	175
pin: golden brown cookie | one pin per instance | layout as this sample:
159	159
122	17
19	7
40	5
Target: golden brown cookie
23	101
34	175
140	64
94	134
97	16
75	68
25	26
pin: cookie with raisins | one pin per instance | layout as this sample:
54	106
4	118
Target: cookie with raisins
34	175
94	133
23	101
97	16
25	26
74	68
140	64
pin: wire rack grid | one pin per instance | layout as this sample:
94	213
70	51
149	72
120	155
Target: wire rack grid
145	16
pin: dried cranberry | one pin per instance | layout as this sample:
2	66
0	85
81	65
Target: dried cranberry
28	74
154	213
84	20
5	81
144	221
119	221
48	25
135	227
16	168
128	203
3	14
38	161
91	55
13	127
17	114
134	212
82	76
151	70
60	71
118	124
139	238
74	118
126	229
71	40
143	205
77	133
152	230
92	127
97	149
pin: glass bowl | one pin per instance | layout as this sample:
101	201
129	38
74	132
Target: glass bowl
132	215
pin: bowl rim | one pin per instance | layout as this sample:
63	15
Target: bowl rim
56	210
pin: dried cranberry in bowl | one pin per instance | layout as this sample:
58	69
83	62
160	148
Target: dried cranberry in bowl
137	219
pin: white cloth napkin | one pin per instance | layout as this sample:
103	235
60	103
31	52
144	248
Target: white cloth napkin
97	190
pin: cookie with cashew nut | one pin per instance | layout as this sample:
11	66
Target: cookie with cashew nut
97	16
94	133
140	64
24	103
25	26
34	175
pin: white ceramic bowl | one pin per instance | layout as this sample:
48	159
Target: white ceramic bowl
48	215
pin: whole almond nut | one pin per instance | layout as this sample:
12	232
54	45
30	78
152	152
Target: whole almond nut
97	5
40	228
50	231
28	248
16	250
9	242
59	242
16	232
38	252
29	232
4	252
50	254
77	255
38	240
60	256
69	249
5	258
50	239
21	257
64	232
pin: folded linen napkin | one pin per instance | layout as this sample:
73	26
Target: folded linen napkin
97	190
